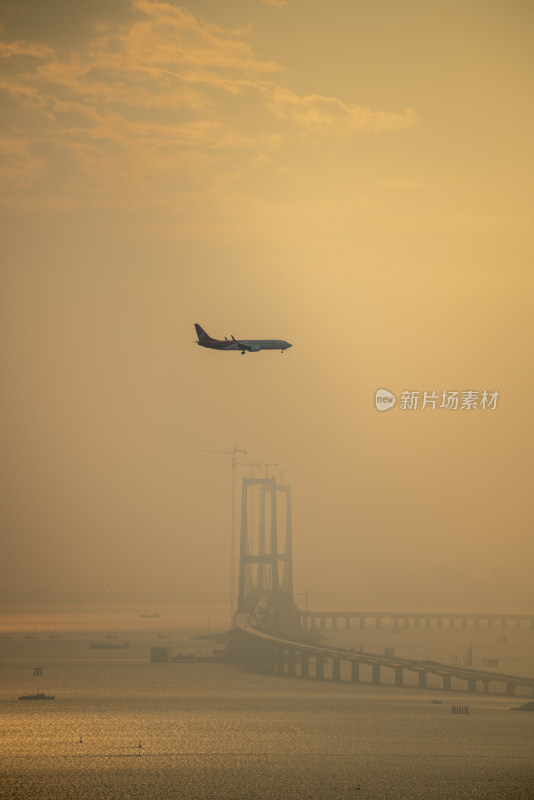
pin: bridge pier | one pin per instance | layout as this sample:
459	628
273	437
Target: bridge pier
280	660
375	674
347	623
304	665
291	669
422	680
447	680
399	672
319	668
510	688
472	685
336	669
355	672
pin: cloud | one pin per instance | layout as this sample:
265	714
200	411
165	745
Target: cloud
328	117
156	107
12	49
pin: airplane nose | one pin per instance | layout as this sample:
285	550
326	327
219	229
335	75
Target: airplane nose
289	344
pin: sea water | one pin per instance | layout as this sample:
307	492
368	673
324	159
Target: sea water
122	727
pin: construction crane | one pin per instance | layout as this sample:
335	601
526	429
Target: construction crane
234	453
267	465
308	594
251	465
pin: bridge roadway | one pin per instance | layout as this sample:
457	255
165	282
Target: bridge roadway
295	658
331	620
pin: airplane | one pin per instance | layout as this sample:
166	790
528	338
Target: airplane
245	345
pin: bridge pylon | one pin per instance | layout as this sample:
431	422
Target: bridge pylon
266	557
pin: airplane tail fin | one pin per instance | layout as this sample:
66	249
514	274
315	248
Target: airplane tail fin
201	334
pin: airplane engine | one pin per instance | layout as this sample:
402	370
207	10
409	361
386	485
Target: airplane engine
254	349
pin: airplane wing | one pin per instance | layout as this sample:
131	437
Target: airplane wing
245	346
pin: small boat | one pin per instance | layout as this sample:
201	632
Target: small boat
109	646
181	657
38	696
525	707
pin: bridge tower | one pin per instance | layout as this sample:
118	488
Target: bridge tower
266	557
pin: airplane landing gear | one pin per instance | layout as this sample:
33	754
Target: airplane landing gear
243	352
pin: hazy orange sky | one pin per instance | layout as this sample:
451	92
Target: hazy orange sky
354	177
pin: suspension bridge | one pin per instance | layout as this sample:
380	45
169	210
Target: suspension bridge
271	634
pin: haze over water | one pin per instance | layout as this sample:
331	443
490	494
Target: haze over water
216	731
354	177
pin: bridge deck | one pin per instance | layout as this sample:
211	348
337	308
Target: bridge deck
243	623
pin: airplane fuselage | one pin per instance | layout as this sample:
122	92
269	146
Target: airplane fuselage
251	345
244	345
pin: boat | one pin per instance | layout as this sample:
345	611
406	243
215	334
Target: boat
525	707
219	638
38	696
109	646
181	657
